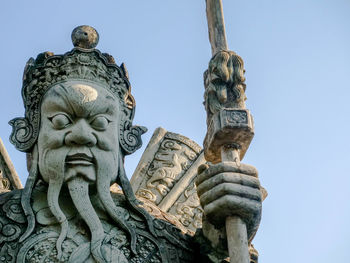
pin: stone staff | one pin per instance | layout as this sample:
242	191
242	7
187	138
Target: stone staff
230	124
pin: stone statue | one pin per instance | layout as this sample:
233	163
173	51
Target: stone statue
76	131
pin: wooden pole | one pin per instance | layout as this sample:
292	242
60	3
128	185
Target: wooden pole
236	229
216	26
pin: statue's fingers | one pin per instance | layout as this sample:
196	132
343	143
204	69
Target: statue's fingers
230	189
235	178
226	167
230	205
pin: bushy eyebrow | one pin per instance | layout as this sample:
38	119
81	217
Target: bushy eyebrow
105	108
57	106
61	102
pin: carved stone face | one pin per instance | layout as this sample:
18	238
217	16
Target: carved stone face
79	132
78	146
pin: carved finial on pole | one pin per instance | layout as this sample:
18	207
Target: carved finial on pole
230	124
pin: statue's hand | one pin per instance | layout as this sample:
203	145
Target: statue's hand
227	189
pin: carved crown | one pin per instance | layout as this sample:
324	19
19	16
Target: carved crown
83	62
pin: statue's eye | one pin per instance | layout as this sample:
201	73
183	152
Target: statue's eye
60	121
100	123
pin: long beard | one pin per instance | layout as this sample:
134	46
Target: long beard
106	174
79	192
106	170
54	170
52	165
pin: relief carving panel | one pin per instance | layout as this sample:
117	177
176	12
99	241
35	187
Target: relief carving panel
165	176
187	209
171	160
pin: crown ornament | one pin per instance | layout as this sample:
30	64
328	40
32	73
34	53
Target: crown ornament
83	62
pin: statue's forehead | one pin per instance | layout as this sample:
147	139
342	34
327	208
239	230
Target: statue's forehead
79	97
86	92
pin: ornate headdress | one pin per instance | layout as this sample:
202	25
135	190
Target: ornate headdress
83	62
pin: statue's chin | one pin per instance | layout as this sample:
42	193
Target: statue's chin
87	172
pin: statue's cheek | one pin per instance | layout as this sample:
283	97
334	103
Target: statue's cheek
48	136
51	139
107	141
108	145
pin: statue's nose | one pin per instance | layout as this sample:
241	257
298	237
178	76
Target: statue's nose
81	134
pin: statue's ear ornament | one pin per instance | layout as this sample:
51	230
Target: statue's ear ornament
130	137
22	136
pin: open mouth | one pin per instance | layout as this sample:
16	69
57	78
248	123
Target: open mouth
79	159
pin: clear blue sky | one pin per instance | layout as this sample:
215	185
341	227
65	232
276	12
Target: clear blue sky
297	62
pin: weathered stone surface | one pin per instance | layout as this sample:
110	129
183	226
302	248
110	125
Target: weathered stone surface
165	176
41	245
230	130
77	129
166	166
228	126
216	26
224	83
186	209
76	132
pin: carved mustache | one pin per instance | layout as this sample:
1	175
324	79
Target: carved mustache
80	156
